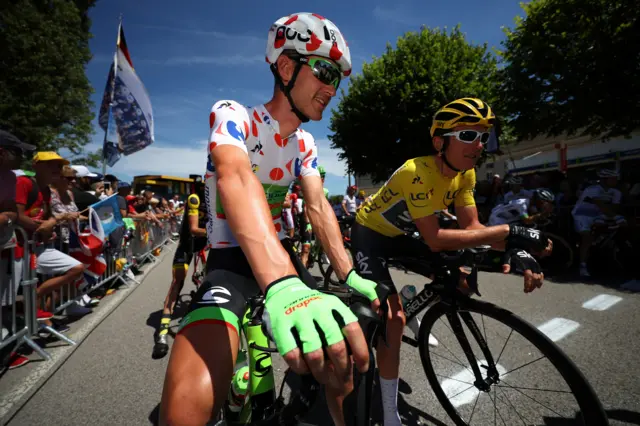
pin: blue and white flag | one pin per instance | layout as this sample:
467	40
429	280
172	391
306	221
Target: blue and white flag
125	113
108	214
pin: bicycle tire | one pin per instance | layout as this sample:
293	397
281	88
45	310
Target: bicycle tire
561	258
593	413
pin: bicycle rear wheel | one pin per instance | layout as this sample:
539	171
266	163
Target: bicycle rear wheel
461	393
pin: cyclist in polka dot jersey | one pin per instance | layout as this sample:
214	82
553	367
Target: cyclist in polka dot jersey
254	155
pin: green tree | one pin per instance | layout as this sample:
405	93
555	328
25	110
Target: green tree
573	66
386	116
44	92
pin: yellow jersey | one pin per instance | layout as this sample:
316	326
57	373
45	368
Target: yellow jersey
417	189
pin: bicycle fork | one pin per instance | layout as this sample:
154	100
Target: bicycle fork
483	384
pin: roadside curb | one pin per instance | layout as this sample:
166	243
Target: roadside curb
15	398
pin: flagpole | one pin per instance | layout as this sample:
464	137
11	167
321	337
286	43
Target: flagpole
115	67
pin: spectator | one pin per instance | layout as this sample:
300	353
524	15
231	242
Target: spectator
349	201
497	191
63	207
12	151
175	202
124	189
97	189
33	199
82	189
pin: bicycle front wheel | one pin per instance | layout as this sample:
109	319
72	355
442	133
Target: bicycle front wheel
515	351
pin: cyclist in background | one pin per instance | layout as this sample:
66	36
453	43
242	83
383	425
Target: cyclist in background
516	192
193	238
597	202
322	176
409	202
524	210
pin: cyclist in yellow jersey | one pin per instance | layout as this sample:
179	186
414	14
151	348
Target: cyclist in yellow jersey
409	202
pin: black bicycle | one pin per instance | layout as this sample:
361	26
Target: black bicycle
480	357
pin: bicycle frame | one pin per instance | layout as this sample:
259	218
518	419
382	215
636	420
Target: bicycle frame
443	288
261	394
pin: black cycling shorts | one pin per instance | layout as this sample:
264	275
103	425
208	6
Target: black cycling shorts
371	251
183	257
222	297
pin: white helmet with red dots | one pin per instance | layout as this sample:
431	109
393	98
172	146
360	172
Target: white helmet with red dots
309	34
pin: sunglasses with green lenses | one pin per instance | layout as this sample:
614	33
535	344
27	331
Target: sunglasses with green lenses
325	71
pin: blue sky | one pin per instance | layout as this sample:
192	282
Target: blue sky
189	54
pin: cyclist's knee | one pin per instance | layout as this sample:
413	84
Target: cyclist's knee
397	318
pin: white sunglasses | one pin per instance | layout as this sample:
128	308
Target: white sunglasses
470	136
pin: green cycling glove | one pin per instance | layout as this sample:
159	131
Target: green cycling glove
290	304
367	288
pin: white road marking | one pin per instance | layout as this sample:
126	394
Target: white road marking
461	386
601	302
557	328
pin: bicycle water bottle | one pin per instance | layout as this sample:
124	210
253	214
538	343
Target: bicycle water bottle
407	293
238	390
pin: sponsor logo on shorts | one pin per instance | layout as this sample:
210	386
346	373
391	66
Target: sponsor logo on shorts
216	295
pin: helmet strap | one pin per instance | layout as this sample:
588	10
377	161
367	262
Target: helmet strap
287	89
443	154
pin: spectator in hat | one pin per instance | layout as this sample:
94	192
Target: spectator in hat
33	199
82	188
12	152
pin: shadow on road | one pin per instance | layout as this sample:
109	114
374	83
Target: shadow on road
154	415
621	415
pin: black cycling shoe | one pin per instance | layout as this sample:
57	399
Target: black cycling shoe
160	349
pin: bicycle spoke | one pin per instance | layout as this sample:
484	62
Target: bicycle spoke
504	346
533	399
514	408
462	391
536	389
474	408
495	408
524	365
450	360
484	330
454	355
455	380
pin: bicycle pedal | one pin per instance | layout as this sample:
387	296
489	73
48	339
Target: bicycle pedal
408	340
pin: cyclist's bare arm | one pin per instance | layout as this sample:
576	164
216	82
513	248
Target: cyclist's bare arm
193	227
344	208
249	217
325	225
472	234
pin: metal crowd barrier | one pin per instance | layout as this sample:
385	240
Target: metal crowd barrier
134	249
18	325
18	315
149	237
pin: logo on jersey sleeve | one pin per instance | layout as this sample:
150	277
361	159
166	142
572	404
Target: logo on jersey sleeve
234	131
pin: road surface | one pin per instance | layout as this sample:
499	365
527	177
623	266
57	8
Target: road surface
111	379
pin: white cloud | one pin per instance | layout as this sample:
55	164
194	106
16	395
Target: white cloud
182	160
215	60
215	34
